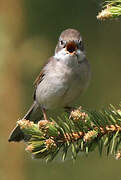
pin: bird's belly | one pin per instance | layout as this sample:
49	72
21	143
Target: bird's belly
73	93
58	93
49	93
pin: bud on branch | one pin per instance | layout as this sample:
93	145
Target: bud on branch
81	131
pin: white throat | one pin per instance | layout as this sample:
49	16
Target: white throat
67	58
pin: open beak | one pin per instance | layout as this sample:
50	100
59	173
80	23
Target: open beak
71	47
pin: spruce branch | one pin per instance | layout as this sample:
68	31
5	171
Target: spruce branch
82	131
111	9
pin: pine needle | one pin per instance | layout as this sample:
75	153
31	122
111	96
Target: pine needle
80	131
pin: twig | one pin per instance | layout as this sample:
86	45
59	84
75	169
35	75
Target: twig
111	9
82	131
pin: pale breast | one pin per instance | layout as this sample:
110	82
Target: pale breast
61	85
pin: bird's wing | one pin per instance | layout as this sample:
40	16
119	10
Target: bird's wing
40	77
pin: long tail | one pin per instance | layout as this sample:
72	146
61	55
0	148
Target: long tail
16	134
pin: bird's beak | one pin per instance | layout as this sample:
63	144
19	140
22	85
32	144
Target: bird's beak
71	47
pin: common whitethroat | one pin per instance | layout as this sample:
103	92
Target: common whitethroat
62	80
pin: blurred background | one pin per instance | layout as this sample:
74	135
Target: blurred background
29	31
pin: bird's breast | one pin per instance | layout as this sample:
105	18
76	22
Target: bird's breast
61	86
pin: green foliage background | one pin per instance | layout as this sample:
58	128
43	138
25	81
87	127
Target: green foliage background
29	31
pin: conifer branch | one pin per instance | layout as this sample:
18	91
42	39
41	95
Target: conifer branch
111	9
82	131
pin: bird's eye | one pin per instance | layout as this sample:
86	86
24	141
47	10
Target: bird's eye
80	42
81	45
62	42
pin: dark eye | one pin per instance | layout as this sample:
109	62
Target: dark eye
81	45
80	42
62	42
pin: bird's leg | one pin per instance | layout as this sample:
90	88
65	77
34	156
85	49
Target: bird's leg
44	114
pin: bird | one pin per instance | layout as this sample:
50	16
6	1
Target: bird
62	80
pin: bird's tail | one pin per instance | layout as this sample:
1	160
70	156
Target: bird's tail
16	134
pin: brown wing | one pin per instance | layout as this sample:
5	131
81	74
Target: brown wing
37	81
39	78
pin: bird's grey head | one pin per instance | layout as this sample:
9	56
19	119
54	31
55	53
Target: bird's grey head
71	41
